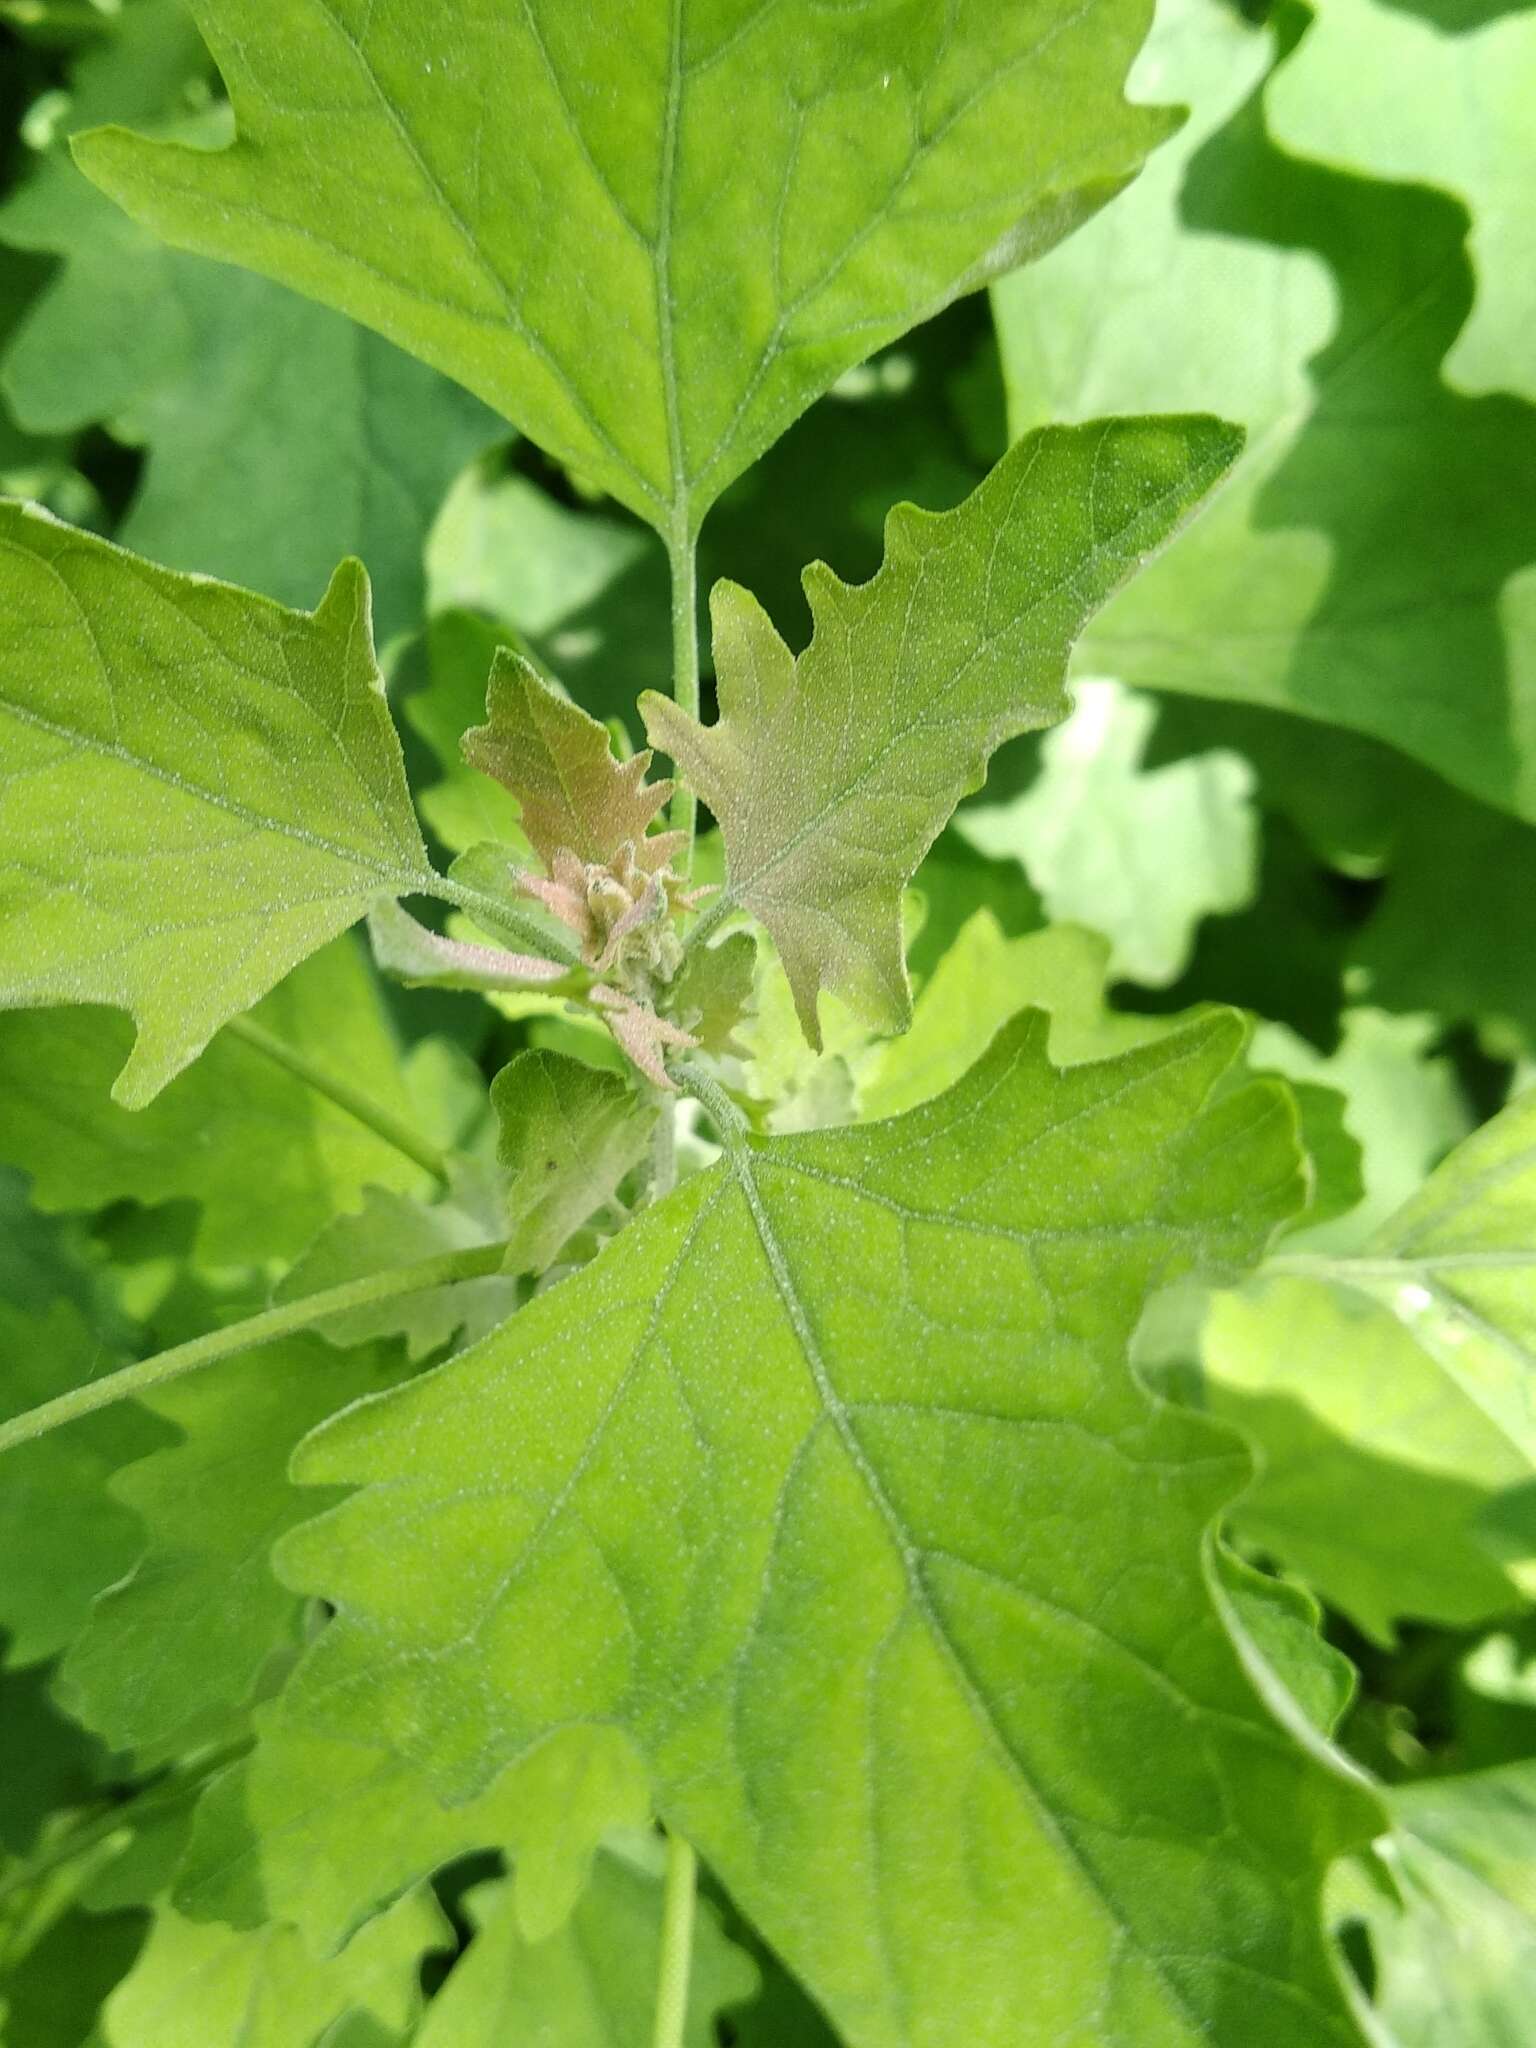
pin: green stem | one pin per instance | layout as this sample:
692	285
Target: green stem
682	557
546	939
310	1309
381	1121
677	1907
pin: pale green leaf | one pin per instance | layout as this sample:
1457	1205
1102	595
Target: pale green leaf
1442	102
831	775
1456	1954
569	1135
713	992
62	1535
189	1628
267	1158
391	1230
594	1984
984	979
795	1480
199	789
324	1832
1369	562
212	1987
1140	855
1390	1390
1374	1469
1277	1623
649	249
1402	1107
407	951
1456	1267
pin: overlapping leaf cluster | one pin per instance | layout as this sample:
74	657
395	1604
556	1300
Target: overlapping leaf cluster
825	1337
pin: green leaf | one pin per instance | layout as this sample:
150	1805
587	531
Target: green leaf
796	1478
594	1984
569	1135
189	1628
1377	1473
324	1832
1437	102
235	386
194	1987
1139	855
62	1534
1373	1469
1369	561
1456	1954
267	1158
982	981
561	220
832	775
160	726
713	992
1455	1267
391	1230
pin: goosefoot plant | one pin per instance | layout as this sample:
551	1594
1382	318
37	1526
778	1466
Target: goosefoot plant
661	1479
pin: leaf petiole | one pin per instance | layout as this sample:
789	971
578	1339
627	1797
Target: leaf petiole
363	1108
303	1314
679	1895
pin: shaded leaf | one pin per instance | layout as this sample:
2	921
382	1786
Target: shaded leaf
569	1135
391	1230
1369	562
203	1987
167	727
266	1157
801	1553
592	1986
325	1832
1140	855
63	1537
1456	1953
189	1628
1445	103
832	775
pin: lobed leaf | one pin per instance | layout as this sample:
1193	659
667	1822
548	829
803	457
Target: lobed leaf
1369	562
822	1483
189	1628
199	788
832	775
594	1984
267	1159
649	249
569	1134
323	1833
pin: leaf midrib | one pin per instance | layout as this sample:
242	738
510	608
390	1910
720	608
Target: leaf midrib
909	1554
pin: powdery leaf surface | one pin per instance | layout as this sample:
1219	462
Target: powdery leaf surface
650	250
832	775
828	1483
198	788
